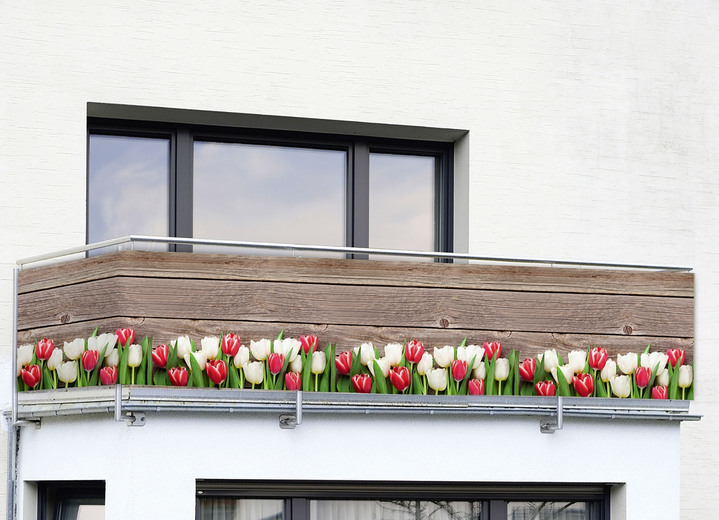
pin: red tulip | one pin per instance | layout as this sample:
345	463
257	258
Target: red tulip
414	351
476	387
545	388
642	375
491	348
308	344
660	392
584	384
293	381
178	376
343	362
459	369
31	375
400	378
108	375
275	361
597	358
44	348
676	357
159	356
89	359
231	344
216	370
527	368
125	337
362	383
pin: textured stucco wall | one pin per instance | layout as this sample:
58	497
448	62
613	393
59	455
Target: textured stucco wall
593	127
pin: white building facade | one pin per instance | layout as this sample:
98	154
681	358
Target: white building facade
578	132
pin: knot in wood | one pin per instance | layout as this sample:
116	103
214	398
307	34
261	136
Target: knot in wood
64	318
627	329
444	323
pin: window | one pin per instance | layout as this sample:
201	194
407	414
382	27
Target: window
77	500
267	186
228	500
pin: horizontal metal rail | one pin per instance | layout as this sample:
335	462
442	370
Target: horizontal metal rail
132	239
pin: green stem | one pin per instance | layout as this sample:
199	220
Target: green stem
316	382
683	393
132	377
499	388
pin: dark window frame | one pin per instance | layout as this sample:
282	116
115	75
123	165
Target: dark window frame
52	495
358	148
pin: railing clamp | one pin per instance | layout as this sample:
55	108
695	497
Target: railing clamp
288	422
555	423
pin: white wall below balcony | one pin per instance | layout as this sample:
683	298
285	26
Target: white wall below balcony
152	469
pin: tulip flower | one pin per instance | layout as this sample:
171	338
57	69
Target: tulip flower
55	359
242	357
567	372
437	379
609	370
627	363
230	345
275	362
675	356
393	354
425	364
125	337
476	386
308	344
444	356
621	385
216	371
343	363
366	353
492	348
159	356
90	359
108	375
660	392
545	388
74	349
597	358
642	376
400	378
260	349
179	376
501	372
414	351
183	346
551	360
577	360
134	355
24	356
112	359
685	377
481	371
210	346
288	347
527	368
383	364
43	349
31	375
254	372
293	380
362	383
663	378
583	384
67	372
459	369
319	362
199	356
105	341
295	365
654	359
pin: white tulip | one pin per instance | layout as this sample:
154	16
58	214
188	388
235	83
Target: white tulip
577	360
24	356
627	363
260	349
319	362
288	347
75	348
254	372
663	378
567	371
242	357
67	372
105	340
481	371
112	358
55	359
444	356
551	360
366	353
621	385
200	357
134	355
472	351
183	346
296	365
425	364
685	376
653	359
393	353
210	346
437	379
609	371
383	366
501	369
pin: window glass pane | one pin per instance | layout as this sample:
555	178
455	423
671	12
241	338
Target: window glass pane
128	187
401	202
265	193
548	511
393	510
211	508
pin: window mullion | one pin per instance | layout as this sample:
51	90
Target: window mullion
360	196
183	192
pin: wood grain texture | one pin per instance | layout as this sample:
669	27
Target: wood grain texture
359	272
412	307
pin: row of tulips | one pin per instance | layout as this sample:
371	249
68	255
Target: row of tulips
298	364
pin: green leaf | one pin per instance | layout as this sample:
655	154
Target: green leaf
279	336
562	384
600	388
94	333
356	366
306	372
417	387
122	372
95	376
196	373
332	365
379	379
646	350
465	381
489	382
463	344
673	381
539	371
234	376
344	384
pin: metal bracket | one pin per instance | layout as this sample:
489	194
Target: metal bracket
553	424
288	422
28	422
135	418
130	418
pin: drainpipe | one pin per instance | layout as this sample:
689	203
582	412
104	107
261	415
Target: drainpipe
13	429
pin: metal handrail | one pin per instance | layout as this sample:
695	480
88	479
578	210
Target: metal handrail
132	239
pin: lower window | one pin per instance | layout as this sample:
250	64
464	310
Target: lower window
77	500
223	500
